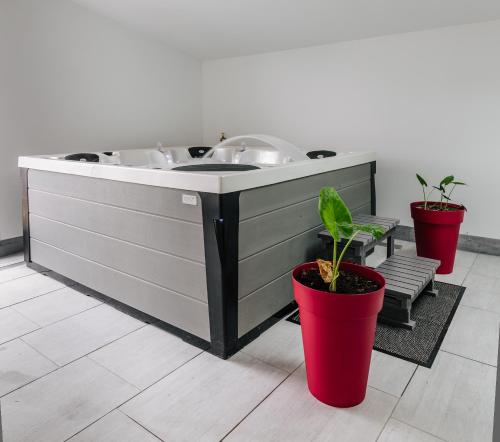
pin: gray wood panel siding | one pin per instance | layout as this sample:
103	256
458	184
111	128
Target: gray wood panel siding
171	272
365	209
183	312
180	238
257	270
278	230
137	244
266	199
263	231
149	199
263	303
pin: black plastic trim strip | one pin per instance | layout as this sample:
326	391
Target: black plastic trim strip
373	171
220	235
25	215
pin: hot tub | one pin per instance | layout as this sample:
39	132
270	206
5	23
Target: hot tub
203	239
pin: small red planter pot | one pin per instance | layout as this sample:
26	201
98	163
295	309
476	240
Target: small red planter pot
436	233
338	332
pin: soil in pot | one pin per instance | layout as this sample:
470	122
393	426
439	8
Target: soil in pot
347	282
439	207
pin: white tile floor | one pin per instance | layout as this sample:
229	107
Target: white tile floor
73	368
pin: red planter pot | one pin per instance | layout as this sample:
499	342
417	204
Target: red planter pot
338	331
436	233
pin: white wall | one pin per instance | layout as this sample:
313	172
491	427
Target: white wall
73	81
426	102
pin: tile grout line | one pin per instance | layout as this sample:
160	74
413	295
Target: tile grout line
408	384
260	402
11	265
59	366
40	353
40	327
396	404
55	322
37	296
117	408
389	417
267	363
478	308
382	391
468	359
110	371
419	429
17	277
139	424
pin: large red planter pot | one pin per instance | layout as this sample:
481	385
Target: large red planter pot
338	331
436	233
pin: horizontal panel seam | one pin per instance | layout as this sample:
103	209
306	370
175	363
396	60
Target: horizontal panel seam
340	189
280	242
278	209
201	263
123	273
266	284
117	207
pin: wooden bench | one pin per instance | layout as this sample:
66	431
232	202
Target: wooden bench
406	278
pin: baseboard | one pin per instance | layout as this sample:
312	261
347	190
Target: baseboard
469	243
11	245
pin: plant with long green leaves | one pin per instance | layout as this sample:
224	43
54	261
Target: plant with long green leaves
424	185
443	189
338	221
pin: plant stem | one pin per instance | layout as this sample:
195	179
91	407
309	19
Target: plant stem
425	198
333	284
449	195
336	267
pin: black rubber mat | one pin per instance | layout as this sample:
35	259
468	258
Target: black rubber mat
433	316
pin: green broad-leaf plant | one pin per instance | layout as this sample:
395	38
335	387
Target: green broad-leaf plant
338	221
443	189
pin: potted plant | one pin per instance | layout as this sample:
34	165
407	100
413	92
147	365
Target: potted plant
338	303
437	223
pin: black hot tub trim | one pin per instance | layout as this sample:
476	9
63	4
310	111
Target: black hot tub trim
88	157
318	154
211	167
198	151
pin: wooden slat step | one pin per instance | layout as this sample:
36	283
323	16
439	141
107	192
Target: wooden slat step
367	219
414	261
422	261
407	285
402	278
408	265
401	270
385	226
396	272
415	268
373	219
406	277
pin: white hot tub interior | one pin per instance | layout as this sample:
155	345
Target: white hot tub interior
259	151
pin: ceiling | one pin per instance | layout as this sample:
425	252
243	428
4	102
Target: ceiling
209	29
